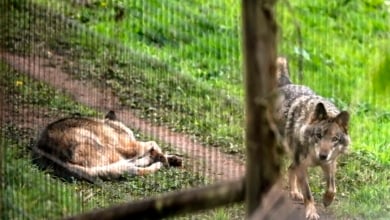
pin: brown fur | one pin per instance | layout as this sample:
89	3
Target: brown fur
316	133
91	148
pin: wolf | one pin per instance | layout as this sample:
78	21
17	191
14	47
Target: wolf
315	132
91	148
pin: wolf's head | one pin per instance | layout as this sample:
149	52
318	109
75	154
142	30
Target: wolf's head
328	135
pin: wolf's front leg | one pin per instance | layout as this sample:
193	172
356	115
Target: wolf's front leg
156	154
329	173
310	209
143	161
149	169
148	146
292	177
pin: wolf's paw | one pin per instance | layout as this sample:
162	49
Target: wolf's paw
296	195
311	212
328	197
156	166
174	161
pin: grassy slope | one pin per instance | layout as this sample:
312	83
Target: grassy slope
345	42
27	191
147	84
342	41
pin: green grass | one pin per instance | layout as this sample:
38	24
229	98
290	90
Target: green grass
31	194
156	89
179	64
28	192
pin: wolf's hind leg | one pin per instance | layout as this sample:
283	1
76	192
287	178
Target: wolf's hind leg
124	167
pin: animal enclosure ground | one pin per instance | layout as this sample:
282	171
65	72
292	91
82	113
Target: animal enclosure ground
22	117
162	95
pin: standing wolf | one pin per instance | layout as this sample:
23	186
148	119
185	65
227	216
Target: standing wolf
316	133
89	148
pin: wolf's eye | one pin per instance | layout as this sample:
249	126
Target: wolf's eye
335	139
318	135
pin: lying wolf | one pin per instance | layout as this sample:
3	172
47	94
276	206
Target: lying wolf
316	133
91	148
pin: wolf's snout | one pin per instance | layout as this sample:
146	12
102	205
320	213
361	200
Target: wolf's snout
323	156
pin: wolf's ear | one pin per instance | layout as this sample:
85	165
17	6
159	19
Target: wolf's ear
111	115
320	112
342	119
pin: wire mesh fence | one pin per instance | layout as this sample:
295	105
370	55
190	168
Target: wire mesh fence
138	58
172	72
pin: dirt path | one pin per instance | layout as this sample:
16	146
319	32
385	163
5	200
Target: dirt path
214	164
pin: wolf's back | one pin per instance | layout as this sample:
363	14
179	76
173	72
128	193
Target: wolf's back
82	147
297	102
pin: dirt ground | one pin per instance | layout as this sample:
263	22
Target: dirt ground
211	162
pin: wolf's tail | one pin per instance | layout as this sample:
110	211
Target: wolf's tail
282	74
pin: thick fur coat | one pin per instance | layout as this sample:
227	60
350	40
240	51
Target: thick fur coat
91	148
316	133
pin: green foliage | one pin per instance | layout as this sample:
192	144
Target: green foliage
365	189
381	76
27	192
34	194
26	91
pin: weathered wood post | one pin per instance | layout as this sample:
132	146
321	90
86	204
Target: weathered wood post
263	165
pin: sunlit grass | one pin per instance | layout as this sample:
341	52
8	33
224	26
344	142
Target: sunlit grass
29	192
184	70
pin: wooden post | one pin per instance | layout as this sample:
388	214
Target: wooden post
173	203
263	165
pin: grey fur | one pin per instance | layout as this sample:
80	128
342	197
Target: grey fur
316	133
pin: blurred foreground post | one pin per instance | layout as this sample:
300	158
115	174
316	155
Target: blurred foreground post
263	162
263	158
